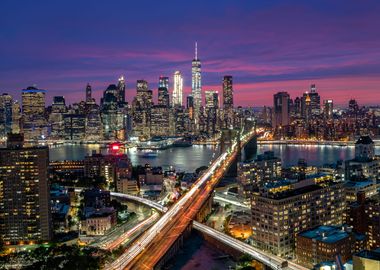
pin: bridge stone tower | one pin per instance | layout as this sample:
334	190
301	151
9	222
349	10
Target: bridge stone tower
226	140
250	149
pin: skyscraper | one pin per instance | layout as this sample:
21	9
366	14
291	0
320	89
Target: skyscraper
163	97
228	101
211	99
58	109
196	83
33	113
312	97
121	90
163	91
16	117
178	89
144	95
190	106
88	93
24	193
211	109
280	109
328	108
163	82
6	102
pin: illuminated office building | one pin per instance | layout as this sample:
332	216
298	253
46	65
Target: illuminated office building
88	93
58	109
280	109
120	95
178	89
228	101
328	107
196	83
265	168
6	102
94	127
211	110
163	92
144	96
24	193
190	106
33	113
163	82
16	116
311	102
161	120
74	126
365	165
282	209
112	118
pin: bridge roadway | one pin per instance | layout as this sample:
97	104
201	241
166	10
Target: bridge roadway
270	260
141	200
230	199
116	239
262	256
147	251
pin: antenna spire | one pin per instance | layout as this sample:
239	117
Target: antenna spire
196	50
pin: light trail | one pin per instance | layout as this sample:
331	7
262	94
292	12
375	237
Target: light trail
125	236
151	233
229	199
270	260
172	228
141	200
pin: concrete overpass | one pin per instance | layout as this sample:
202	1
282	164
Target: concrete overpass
269	260
147	202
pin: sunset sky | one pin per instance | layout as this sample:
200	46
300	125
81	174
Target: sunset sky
267	46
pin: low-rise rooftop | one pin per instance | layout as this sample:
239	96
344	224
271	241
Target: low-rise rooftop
326	234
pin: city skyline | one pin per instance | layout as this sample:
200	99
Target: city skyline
335	49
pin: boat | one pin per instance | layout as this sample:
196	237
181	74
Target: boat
148	154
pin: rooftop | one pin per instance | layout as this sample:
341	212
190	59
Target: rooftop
32	89
358	184
326	234
373	255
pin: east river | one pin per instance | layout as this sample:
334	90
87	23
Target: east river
196	253
190	158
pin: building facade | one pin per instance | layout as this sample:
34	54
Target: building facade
281	211
24	193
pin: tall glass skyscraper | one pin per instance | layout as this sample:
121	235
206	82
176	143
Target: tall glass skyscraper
163	91
88	93
33	113
121	90
178	89
196	83
228	101
163	82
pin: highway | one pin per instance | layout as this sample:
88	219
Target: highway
270	260
116	239
147	202
154	243
230	199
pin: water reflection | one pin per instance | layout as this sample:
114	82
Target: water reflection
190	158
